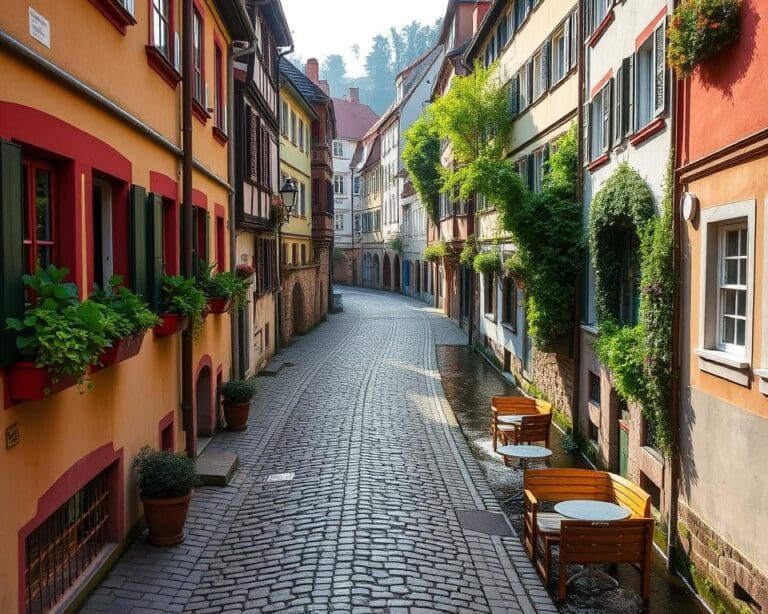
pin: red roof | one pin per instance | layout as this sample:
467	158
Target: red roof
352	119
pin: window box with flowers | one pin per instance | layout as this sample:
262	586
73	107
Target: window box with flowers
184	303
699	29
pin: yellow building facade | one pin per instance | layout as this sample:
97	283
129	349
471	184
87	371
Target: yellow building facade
90	115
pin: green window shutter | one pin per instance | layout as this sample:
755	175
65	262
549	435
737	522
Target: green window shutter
11	247
195	242
154	250
138	240
207	248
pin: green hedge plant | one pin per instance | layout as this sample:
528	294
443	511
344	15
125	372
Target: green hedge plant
136	313
487	263
223	285
436	251
238	391
163	475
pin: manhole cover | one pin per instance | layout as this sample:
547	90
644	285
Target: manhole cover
484	522
280	477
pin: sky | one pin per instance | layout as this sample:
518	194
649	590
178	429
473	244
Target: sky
323	27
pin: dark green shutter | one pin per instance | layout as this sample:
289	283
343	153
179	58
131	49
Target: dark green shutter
11	246
195	243
207	246
529	165
154	250
138	240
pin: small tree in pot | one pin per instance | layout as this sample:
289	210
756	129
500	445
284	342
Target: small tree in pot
237	396
165	484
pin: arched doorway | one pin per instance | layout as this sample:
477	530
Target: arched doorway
396	268
376	271
297	309
206	418
387	274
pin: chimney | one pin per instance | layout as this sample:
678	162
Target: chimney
323	85
353	95
313	70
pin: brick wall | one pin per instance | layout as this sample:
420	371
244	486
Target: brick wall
305	295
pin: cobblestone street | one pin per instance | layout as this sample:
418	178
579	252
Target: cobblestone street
369	523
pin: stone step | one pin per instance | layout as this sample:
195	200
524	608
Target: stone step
216	468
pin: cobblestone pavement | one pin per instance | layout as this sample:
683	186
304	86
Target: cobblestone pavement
369	524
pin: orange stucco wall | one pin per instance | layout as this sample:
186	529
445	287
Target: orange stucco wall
128	400
726	97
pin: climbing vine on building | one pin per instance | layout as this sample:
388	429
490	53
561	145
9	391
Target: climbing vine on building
421	157
640	356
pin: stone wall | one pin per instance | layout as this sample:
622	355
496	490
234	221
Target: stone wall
735	578
553	374
305	295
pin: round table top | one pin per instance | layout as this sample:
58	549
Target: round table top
513	419
592	510
525	451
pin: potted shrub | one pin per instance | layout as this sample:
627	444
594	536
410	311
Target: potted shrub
183	303
165	483
487	262
136	315
223	289
513	268
59	335
237	395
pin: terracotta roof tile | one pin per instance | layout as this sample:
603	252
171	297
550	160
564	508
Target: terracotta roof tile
352	118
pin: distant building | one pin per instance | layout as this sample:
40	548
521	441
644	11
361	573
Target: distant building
353	120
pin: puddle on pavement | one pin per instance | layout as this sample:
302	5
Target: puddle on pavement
469	383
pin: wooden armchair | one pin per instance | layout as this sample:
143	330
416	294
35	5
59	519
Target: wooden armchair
620	541
512	406
555	485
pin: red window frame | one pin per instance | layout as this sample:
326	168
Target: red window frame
221	248
198	53
164	64
168	20
31	241
218	76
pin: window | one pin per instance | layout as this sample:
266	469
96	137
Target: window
539	160
522	169
594	388
559	46
572	26
197	53
284	116
540	77
524	87
599	130
294	253
338	149
301	134
221	110
732	288
356	185
293	126
501	36
481	202
522	7
596	12
357	222
338	184
40	199
161	28
509	304
302	212
103	253
59	550
650	78
304	254
221	247
339	221
490	295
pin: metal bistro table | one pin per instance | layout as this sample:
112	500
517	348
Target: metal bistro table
525	454
595	511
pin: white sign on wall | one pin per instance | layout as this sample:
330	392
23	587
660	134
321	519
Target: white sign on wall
39	28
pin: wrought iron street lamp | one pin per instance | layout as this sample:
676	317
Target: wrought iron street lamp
288	193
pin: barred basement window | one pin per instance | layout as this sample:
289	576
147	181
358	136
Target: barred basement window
61	548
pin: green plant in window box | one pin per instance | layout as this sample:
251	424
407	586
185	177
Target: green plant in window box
223	285
514	267
467	255
699	29
181	296
436	251
487	263
122	301
60	333
395	244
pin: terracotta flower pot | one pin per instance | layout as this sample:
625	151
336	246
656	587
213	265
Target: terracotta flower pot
165	519
219	305
236	415
172	323
28	382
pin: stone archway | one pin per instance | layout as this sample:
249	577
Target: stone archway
297	309
204	406
396	270
376	271
387	274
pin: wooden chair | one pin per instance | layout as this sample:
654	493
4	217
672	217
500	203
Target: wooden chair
620	541
533	429
555	485
512	406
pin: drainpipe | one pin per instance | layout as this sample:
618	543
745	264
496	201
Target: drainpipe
279	244
234	321
187	407
675	400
